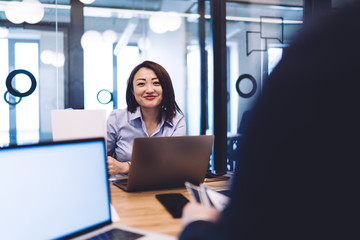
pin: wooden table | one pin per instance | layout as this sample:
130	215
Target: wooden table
142	210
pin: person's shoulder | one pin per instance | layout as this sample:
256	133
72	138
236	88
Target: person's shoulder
119	112
118	115
178	117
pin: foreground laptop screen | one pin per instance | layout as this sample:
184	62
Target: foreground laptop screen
52	190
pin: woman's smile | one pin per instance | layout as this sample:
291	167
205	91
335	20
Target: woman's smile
147	89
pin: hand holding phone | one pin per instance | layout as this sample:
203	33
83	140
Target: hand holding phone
218	200
198	194
207	196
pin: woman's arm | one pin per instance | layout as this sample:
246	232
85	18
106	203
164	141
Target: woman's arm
112	130
115	167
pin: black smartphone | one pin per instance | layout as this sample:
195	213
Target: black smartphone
173	203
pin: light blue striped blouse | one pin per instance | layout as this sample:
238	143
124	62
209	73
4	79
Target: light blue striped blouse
123	126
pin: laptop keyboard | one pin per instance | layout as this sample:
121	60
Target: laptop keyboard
121	183
116	234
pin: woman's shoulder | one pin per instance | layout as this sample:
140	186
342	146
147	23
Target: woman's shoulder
118	115
179	117
119	112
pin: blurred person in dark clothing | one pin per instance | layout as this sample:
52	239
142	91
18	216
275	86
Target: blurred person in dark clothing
298	178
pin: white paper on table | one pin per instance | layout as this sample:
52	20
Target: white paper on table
114	215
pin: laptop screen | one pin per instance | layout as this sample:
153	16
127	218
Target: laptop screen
52	190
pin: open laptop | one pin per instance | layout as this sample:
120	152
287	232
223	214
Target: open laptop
167	162
78	123
58	190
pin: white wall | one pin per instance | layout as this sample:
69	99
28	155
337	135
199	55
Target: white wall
169	49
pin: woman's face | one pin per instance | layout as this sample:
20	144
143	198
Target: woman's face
147	89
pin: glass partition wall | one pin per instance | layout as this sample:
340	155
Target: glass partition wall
256	36
111	37
32	68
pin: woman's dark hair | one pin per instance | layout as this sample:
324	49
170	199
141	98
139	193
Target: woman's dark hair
168	105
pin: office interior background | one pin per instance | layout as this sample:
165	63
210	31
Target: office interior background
80	53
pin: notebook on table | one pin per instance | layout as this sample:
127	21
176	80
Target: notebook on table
167	162
58	190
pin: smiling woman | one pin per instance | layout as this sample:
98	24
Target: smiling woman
151	112
147	90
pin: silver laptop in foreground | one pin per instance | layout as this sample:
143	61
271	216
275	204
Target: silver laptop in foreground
68	124
58	190
167	162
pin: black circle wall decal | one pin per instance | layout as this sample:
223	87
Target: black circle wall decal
254	86
14	91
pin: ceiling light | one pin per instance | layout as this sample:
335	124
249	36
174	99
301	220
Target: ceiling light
163	22
87	1
30	11
13	12
173	21
53	58
90	38
109	36
34	11
157	23
59	60
47	56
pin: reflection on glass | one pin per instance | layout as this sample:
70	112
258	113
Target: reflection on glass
275	55
4	107
27	111
268	25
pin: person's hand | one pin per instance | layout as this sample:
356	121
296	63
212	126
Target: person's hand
116	167
195	211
